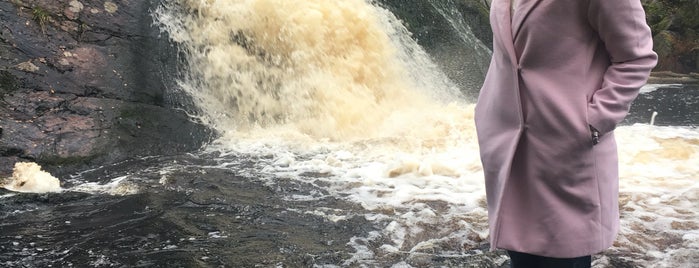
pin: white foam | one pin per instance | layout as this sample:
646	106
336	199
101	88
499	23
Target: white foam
117	186
648	88
659	188
659	169
28	177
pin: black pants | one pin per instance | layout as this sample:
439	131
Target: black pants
524	260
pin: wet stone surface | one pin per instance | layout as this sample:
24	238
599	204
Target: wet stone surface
72	73
675	104
197	215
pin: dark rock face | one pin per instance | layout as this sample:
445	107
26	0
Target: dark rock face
441	26
477	14
87	82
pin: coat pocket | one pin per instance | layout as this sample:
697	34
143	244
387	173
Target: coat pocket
594	134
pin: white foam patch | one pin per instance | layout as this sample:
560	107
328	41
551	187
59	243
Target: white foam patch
118	186
648	88
28	177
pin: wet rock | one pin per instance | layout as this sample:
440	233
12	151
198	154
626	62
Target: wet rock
87	82
110	7
7	164
27	66
73	9
665	77
8	83
476	13
452	33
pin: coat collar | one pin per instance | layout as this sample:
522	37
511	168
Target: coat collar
522	12
508	26
501	9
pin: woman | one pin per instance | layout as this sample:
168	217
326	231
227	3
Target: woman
562	76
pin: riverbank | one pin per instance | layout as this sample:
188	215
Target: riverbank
665	77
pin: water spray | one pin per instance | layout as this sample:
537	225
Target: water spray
652	118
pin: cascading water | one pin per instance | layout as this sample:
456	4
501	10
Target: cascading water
337	70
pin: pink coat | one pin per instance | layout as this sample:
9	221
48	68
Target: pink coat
558	67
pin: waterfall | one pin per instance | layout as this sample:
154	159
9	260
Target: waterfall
327	69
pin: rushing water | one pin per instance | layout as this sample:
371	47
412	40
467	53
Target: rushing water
341	146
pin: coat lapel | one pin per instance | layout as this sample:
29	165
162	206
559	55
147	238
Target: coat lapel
522	12
504	27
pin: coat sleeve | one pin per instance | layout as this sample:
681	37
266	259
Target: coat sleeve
622	27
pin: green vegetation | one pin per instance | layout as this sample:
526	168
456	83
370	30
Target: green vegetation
666	15
41	16
675	27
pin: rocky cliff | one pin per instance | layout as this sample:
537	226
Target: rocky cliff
86	83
